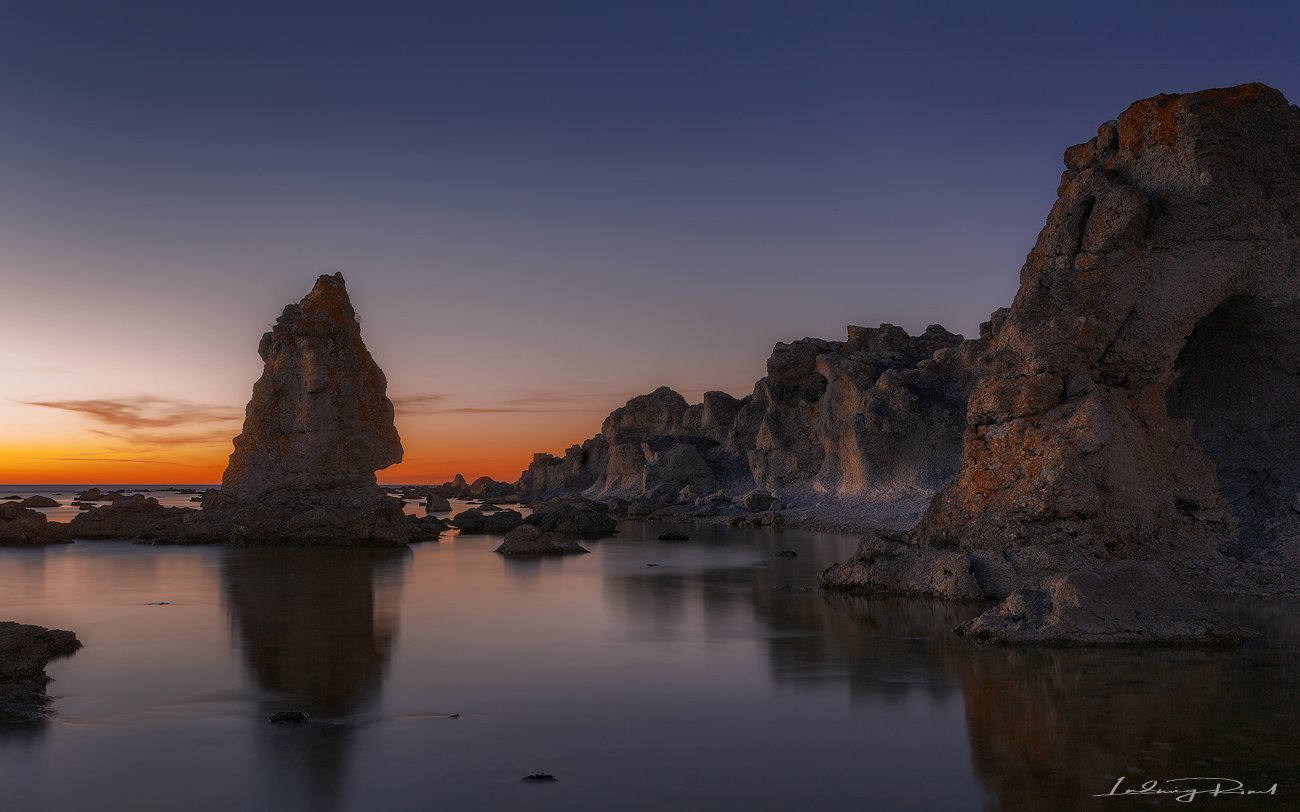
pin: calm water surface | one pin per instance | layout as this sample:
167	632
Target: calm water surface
718	679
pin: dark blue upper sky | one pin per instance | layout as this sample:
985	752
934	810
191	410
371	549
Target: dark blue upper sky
688	182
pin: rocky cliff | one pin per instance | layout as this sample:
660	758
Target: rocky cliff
1139	403
873	417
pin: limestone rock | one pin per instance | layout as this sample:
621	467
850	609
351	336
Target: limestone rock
574	520
1139	400
20	526
469	521
529	540
24	652
875	416
38	502
1118	603
502	522
434	503
320	422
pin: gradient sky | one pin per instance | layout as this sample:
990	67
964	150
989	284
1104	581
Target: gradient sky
541	208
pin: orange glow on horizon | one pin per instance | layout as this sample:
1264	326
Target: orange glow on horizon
437	447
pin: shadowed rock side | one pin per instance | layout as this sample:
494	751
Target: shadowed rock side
1138	404
871	418
23	527
318	426
24	651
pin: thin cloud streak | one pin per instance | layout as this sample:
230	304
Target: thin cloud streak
118	459
144	412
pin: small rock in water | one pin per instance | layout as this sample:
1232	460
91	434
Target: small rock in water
652	565
786	554
672	535
539	778
159	603
288	717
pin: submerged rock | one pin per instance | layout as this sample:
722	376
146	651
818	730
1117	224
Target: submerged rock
290	717
24	652
1119	603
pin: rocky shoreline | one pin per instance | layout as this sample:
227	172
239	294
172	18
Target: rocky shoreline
1125	430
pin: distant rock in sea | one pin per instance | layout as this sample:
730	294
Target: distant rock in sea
24	527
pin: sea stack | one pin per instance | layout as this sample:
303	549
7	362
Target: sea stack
318	426
1139	402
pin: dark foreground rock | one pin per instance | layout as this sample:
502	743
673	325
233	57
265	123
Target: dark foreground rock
574	520
528	540
24	652
24	527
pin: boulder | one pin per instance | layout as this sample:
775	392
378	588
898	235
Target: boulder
528	540
757	501
574	520
470	521
433	503
24	527
502	522
38	502
24	652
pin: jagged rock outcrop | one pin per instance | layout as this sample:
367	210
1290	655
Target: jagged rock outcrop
1139	402
21	526
318	426
24	652
530	540
874	416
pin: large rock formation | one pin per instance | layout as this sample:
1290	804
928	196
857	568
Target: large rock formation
870	418
1139	403
303	469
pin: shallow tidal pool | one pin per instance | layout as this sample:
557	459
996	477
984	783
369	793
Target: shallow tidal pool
717	679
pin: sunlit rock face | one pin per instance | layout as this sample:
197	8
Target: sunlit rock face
1139	403
319	423
877	415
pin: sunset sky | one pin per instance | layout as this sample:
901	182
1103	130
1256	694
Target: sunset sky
541	209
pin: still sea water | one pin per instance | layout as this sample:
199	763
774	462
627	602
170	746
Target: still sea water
718	679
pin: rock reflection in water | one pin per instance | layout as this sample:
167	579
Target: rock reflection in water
1048	728
316	627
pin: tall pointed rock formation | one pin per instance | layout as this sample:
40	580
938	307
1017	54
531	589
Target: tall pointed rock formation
319	423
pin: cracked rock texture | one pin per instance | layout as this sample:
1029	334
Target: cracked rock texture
318	426
1139	401
24	652
872	417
